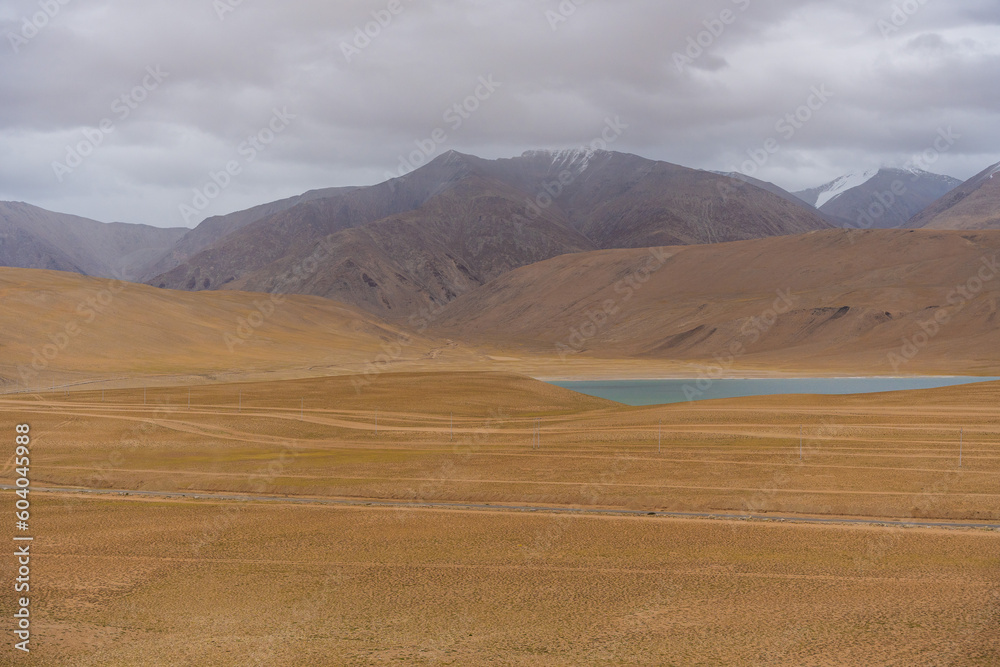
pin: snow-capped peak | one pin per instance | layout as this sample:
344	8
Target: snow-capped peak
843	184
576	159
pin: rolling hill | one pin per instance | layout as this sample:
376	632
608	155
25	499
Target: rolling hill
833	299
58	327
837	301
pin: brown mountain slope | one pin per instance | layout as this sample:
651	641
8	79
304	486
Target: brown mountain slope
458	229
844	299
764	185
973	205
57	327
419	240
831	220
31	237
217	227
620	200
664	204
292	234
459	240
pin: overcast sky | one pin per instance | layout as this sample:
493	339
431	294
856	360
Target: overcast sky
121	109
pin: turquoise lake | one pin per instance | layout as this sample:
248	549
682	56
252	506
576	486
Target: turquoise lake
660	392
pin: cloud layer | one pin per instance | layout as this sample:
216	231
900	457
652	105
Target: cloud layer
129	111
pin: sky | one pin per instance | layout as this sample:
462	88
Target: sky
167	112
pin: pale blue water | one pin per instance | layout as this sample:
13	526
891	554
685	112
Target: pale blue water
659	392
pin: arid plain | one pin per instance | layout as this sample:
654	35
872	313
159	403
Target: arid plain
294	539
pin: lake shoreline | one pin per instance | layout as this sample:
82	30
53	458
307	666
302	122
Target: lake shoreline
647	392
815	376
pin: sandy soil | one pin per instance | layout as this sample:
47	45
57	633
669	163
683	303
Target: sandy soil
468	437
127	581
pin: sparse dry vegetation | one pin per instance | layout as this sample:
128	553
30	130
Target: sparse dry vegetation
216	581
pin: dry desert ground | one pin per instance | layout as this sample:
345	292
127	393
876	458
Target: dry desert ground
300	532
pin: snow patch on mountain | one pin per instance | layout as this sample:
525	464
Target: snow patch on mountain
843	184
574	159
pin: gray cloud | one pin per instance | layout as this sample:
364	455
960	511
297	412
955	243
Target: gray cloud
562	69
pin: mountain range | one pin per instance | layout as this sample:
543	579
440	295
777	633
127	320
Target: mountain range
415	243
419	241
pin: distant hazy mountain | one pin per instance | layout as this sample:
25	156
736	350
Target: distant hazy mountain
461	221
33	238
784	194
763	185
879	198
973	205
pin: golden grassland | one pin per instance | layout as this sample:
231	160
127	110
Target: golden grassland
124	580
468	437
64	329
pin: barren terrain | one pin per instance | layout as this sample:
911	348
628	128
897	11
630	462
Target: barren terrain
468	437
882	302
214	580
473	515
121	584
